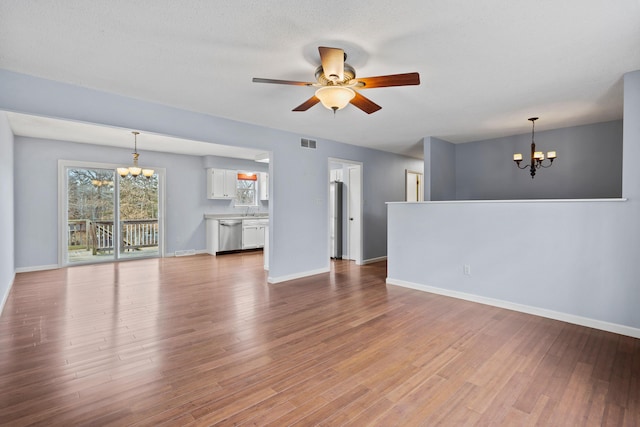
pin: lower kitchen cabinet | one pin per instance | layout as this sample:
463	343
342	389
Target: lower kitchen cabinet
253	234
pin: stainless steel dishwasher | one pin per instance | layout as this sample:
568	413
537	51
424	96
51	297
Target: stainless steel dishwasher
229	235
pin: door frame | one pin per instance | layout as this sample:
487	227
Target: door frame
63	243
407	173
360	166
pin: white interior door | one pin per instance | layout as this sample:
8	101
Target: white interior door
414	186
354	210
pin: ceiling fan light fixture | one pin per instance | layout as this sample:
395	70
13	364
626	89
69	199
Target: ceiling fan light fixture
336	81
335	97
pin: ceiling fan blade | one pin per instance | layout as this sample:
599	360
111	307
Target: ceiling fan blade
332	60
365	104
282	82
307	104
406	79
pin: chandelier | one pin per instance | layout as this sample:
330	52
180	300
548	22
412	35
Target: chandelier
537	157
135	170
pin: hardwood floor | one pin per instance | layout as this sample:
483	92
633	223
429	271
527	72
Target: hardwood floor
205	340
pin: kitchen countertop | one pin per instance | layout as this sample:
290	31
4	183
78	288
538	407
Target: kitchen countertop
236	216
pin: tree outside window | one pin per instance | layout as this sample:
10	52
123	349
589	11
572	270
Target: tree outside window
246	189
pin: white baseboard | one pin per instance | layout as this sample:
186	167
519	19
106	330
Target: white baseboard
297	275
6	295
372	260
37	268
187	252
542	312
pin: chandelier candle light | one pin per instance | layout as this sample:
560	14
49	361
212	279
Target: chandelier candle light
537	157
135	170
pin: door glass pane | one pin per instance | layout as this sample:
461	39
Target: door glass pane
138	216
90	212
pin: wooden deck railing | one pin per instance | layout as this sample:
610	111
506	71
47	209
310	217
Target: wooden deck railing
97	236
139	233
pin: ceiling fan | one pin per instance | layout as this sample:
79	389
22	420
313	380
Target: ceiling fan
337	83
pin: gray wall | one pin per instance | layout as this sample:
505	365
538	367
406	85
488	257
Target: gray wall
589	165
7	269
36	189
233	163
441	169
298	205
576	259
631	137
383	181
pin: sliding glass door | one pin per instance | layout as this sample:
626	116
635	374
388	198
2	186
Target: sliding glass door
138	202
90	215
106	217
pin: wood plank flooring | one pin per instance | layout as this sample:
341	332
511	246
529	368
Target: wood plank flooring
206	341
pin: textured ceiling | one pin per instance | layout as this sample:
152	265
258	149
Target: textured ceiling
485	66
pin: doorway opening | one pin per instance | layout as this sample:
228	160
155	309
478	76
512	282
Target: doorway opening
345	210
105	217
414	186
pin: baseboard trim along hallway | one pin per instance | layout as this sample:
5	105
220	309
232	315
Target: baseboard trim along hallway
550	314
300	275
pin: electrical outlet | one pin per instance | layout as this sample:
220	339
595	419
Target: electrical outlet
467	270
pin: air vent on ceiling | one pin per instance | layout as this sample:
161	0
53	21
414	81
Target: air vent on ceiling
307	143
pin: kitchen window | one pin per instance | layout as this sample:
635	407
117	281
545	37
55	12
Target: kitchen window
247	189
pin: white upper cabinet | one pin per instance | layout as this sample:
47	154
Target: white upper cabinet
263	184
221	183
230	183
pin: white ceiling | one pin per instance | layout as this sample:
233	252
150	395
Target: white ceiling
485	66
